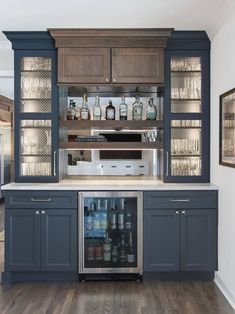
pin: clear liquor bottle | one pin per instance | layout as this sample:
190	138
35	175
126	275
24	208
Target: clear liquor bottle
137	110
123	110
151	112
110	111
97	113
84	112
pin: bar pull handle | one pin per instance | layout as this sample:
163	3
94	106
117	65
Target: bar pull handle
180	200
40	199
183	212
43	212
37	212
177	212
55	163
167	160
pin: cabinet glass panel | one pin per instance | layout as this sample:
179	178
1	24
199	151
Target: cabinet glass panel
110	232
35	84
186	85
186	147
35	148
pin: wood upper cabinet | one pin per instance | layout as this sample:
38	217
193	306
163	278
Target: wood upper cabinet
137	65
110	65
83	65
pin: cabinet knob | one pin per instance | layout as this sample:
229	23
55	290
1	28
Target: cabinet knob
37	212
183	212
43	212
177	212
106	80
114	80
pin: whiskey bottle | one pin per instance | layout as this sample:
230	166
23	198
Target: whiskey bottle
123	110
70	110
151	112
84	112
110	111
137	109
76	112
97	109
130	251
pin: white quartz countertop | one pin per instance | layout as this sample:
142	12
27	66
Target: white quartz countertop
109	184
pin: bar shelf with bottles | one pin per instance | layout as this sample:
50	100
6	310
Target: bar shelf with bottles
110	232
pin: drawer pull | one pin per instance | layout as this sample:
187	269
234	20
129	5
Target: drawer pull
37	212
180	200
183	212
43	212
40	199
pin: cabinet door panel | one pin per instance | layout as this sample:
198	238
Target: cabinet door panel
83	65
22	240
137	65
161	240
199	240
59	240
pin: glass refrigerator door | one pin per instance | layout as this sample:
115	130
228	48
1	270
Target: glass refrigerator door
110	227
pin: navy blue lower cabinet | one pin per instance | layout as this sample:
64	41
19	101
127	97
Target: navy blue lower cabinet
199	240
59	240
41	240
22	240
161	240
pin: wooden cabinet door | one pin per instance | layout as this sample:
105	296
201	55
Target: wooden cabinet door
199	240
161	240
22	240
83	65
137	65
59	240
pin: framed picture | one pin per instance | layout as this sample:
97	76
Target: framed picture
227	129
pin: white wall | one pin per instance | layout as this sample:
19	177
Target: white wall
6	70
222	80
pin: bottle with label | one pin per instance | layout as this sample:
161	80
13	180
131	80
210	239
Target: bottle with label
110	111
151	112
98	252
76	112
91	252
113	216
84	112
122	253
114	254
130	251
121	215
70	113
103	216
107	246
123	110
97	109
137	109
89	220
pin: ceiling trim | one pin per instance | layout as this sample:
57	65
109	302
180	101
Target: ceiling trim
220	18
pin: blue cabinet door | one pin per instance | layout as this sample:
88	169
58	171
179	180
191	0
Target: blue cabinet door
59	240
199	240
161	240
22	240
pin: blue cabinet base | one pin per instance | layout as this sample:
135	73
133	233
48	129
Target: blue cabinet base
11	277
180	275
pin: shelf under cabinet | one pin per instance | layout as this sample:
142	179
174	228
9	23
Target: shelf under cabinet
111	145
111	124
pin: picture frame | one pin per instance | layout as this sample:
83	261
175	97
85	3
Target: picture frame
227	129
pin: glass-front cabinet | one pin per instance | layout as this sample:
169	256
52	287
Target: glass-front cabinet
110	232
187	118
36	122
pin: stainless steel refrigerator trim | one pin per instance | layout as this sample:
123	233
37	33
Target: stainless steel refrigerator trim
134	270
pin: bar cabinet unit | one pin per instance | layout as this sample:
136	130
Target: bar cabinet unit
36	107
187	108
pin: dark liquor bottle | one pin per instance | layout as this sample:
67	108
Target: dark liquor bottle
130	251
114	254
110	111
70	113
122	253
123	109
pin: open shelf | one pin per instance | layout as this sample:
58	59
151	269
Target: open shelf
111	124
111	145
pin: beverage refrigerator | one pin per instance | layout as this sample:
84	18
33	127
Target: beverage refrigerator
111	233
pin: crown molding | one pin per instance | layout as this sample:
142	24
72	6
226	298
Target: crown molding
5	45
220	18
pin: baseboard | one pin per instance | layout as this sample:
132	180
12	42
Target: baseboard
225	290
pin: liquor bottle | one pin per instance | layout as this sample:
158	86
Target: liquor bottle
110	111
89	220
123	110
70	110
91	251
137	109
98	252
76	112
114	254
113	216
121	215
130	251
151	112
103	216
128	222
97	109
107	248
122	253
84	112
